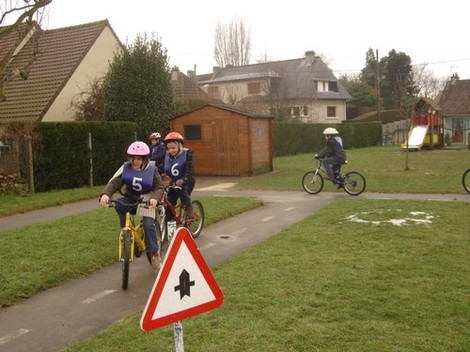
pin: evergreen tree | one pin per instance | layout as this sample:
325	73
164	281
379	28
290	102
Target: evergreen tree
137	87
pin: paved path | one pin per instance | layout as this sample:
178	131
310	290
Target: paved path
72	312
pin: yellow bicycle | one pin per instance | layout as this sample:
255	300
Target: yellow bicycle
131	240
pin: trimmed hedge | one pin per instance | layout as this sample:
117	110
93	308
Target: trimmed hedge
296	138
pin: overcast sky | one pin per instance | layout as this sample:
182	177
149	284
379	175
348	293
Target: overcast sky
341	31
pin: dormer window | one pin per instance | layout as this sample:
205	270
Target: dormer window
326	86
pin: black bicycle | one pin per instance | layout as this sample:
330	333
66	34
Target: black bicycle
466	180
352	182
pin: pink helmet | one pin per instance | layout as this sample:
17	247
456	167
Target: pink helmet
138	148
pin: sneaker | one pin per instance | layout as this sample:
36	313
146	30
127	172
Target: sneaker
156	261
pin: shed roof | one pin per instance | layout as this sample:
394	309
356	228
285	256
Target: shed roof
235	109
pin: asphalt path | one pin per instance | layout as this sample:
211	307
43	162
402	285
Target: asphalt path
72	312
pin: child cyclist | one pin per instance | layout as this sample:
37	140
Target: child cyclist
178	165
333	154
135	178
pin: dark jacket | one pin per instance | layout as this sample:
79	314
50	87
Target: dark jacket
333	148
157	153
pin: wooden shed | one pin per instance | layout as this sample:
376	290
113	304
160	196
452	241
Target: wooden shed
227	140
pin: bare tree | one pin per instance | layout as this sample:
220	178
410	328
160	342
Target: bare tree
232	44
427	84
26	15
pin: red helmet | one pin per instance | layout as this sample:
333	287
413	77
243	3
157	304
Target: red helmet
174	136
138	148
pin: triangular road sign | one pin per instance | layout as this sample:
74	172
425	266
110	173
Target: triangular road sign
184	286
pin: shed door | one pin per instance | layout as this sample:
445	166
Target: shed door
226	148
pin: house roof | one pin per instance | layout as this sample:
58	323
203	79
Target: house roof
455	99
299	76
183	87
60	52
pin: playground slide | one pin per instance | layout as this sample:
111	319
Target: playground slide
416	137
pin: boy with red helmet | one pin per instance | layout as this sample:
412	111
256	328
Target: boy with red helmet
178	165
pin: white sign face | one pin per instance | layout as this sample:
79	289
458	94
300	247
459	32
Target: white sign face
184	286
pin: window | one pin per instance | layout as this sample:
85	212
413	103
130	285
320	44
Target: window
192	132
331	111
295	111
213	91
254	88
333	87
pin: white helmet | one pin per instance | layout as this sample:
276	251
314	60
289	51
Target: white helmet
155	135
330	130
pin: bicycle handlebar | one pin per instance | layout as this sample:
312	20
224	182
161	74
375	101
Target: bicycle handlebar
112	203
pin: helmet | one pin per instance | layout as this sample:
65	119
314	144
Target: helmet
174	136
155	135
330	130
138	148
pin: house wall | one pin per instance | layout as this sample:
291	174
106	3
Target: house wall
458	132
318	112
233	92
94	65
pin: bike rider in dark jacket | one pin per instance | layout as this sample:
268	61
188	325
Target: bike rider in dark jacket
157	148
333	154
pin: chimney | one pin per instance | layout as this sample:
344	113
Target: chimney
191	74
454	79
309	57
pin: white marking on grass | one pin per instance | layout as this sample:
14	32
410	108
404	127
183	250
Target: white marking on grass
415	219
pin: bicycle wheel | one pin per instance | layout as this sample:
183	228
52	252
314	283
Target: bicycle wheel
312	182
354	183
196	222
466	180
161	224
126	242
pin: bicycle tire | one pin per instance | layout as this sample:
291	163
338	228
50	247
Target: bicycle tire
312	182
126	257
196	223
466	180
354	183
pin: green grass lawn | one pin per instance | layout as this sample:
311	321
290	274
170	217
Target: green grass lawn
346	279
385	170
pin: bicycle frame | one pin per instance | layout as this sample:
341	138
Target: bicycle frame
130	227
131	241
178	213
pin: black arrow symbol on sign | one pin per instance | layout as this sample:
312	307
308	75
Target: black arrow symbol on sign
185	284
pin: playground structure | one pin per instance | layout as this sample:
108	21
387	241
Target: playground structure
426	127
